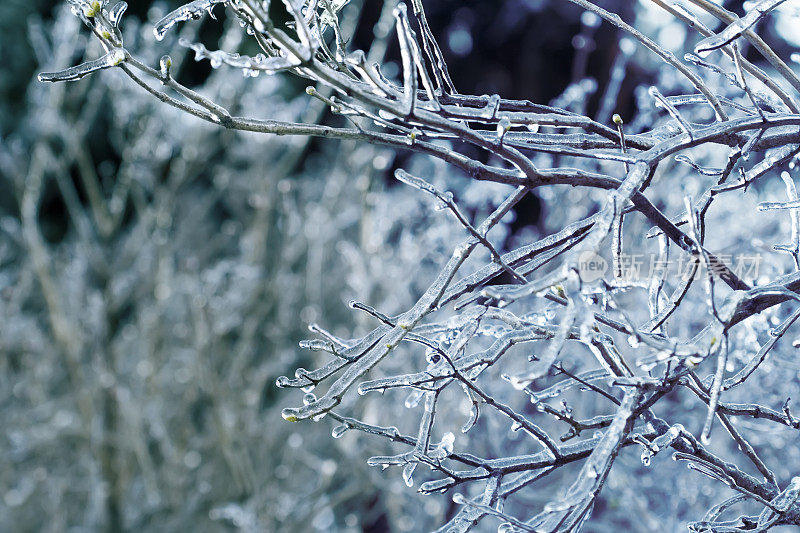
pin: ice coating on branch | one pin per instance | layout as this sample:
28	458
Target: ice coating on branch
702	170
735	29
192	10
251	66
315	345
328	16
111	59
561	386
689	15
769	206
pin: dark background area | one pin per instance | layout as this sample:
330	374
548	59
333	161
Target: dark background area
520	48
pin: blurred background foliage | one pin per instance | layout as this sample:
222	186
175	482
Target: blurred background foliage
157	273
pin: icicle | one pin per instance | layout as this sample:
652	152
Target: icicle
413	399
445	447
115	15
474	412
338	431
647	455
408	474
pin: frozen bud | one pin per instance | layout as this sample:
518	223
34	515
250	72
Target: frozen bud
116	56
165	64
289	416
502	127
92	9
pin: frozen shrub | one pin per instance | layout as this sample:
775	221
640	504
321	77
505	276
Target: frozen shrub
517	373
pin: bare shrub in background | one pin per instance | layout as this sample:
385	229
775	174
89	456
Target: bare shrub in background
517	372
143	333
